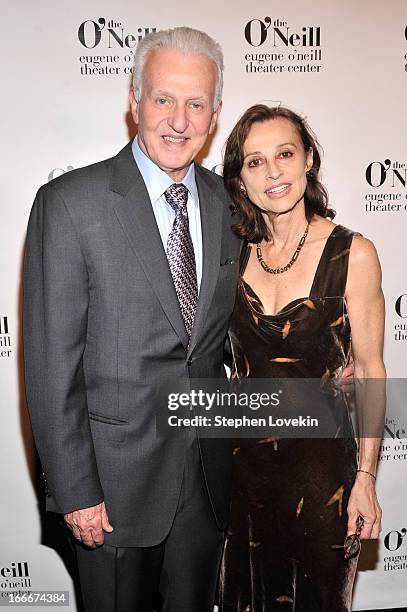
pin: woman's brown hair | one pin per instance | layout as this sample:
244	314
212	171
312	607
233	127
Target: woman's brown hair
252	226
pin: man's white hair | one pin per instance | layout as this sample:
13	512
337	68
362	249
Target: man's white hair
187	40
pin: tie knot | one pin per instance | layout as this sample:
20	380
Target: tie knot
177	196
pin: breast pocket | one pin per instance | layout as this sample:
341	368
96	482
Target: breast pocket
228	268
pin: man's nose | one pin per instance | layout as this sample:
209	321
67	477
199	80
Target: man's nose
178	119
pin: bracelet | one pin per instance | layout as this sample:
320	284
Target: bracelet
370	473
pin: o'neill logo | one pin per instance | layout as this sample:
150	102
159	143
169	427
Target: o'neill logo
285	48
90	34
389	177
15	576
110	35
280	34
396	541
394	173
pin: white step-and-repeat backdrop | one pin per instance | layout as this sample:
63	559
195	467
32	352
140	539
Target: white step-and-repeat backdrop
66	69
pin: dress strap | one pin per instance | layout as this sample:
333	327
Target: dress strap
332	272
244	257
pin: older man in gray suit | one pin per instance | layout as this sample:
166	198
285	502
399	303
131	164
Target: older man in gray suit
130	277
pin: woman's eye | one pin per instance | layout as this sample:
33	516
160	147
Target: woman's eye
161	101
286	154
254	162
196	105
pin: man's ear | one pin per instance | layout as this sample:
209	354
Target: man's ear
214	118
133	105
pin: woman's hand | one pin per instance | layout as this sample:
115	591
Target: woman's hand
363	502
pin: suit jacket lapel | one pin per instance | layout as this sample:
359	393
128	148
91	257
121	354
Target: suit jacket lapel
211	208
135	214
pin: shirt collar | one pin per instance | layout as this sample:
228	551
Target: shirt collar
157	181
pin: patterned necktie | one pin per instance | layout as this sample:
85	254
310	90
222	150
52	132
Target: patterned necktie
180	254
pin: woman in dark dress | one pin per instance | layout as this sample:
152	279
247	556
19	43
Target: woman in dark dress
295	498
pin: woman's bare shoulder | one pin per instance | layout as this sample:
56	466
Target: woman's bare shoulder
364	265
362	250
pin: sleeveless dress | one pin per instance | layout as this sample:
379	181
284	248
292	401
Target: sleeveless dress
289	496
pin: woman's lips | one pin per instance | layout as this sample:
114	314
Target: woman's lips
278	191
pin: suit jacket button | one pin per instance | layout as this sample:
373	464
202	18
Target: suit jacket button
189	362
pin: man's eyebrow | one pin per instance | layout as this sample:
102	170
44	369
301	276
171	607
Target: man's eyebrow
161	92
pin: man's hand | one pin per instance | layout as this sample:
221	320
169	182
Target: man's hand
88	524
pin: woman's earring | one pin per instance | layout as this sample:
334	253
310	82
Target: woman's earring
309	174
243	191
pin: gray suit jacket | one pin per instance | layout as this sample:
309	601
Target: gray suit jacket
102	328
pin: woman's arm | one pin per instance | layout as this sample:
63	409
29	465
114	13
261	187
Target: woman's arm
365	303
